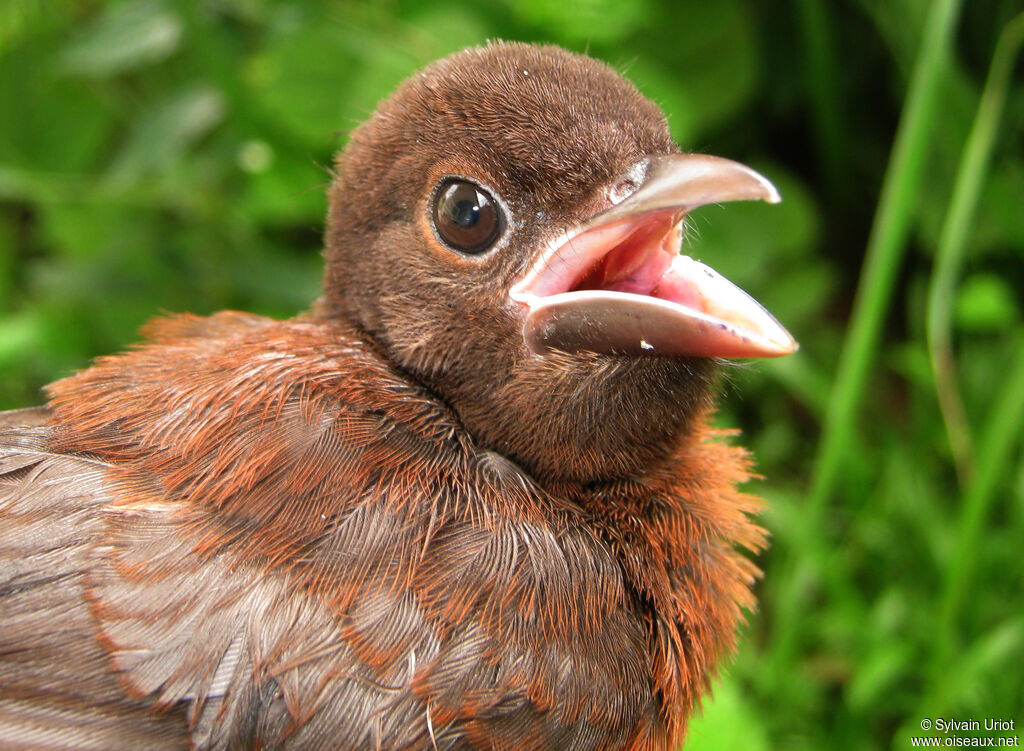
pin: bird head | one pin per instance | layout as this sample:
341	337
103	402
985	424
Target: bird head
506	228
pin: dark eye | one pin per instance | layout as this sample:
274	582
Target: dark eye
466	216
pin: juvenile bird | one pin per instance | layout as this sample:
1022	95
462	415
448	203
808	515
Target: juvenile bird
470	501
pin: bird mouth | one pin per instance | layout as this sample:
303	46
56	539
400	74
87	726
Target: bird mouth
617	284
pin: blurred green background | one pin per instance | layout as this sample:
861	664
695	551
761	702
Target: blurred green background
169	156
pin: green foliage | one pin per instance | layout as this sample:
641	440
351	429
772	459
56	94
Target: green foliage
171	155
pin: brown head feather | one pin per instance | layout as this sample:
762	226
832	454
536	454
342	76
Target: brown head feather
545	131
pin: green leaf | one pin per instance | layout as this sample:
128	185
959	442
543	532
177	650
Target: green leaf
17	334
126	36
8	250
714	56
584	20
899	22
661	86
165	132
728	722
82	231
434	34
291	190
980	663
60	125
296	81
876	676
998	222
985	303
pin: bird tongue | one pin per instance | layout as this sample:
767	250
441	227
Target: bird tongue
619	285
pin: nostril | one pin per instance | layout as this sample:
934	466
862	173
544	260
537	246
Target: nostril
621	191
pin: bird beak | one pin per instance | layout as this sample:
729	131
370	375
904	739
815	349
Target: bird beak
618	284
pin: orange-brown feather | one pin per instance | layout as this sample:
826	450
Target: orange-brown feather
294	449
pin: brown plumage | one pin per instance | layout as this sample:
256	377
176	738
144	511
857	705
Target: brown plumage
399	522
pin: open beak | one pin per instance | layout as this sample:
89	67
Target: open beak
618	284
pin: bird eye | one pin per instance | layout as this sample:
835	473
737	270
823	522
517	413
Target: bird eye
466	216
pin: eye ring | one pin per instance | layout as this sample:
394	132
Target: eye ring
466	216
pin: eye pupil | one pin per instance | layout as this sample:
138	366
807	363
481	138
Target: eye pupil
466	213
466	216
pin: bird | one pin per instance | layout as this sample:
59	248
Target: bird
471	499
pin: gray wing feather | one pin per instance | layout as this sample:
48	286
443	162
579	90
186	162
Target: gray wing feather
57	689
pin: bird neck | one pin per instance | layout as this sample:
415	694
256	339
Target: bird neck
585	419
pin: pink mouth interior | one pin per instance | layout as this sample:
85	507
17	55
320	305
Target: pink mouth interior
623	287
640	263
